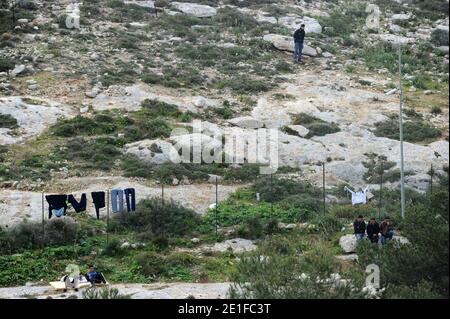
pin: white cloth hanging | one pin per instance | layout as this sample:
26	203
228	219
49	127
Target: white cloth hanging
358	197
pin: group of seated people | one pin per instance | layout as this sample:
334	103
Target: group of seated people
92	276
376	233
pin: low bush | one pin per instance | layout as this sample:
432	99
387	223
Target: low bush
7	121
155	218
413	131
275	189
316	126
103	293
28	235
113	248
6	65
100	153
286	275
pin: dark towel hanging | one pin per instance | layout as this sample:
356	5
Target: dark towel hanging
78	206
56	202
99	201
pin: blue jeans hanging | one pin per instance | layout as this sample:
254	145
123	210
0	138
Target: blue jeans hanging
114	194
130	192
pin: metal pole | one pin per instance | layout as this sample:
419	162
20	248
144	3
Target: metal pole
323	187
43	216
381	191
217	202
271	190
107	216
402	167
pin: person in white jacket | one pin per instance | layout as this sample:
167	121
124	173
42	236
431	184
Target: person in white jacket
359	197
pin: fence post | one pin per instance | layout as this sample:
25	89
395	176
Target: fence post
107	216
271	190
162	194
43	216
323	187
381	190
217	203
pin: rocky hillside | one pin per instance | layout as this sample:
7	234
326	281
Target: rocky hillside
102	94
101	101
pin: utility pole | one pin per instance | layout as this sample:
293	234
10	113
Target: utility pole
402	167
323	187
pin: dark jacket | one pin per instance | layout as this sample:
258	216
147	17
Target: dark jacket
385	228
359	227
299	35
373	229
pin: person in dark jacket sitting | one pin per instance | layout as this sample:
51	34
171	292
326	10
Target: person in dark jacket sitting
386	230
299	38
360	228
95	277
373	228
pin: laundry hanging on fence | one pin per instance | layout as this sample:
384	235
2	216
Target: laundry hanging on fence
117	202
130	196
56	204
116	198
78	206
359	197
99	201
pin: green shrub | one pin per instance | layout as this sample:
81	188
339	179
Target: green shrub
99	153
275	189
113	248
6	65
151	264
413	131
7	121
436	110
439	37
245	85
327	224
29	235
103	293
155	217
252	228
80	125
316	126
287	276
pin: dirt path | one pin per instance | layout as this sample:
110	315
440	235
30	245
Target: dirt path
136	291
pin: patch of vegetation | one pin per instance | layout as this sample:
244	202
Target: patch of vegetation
316	126
378	166
413	131
29	235
7	121
175	77
423	262
155	218
285	272
100	153
103	293
6	65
